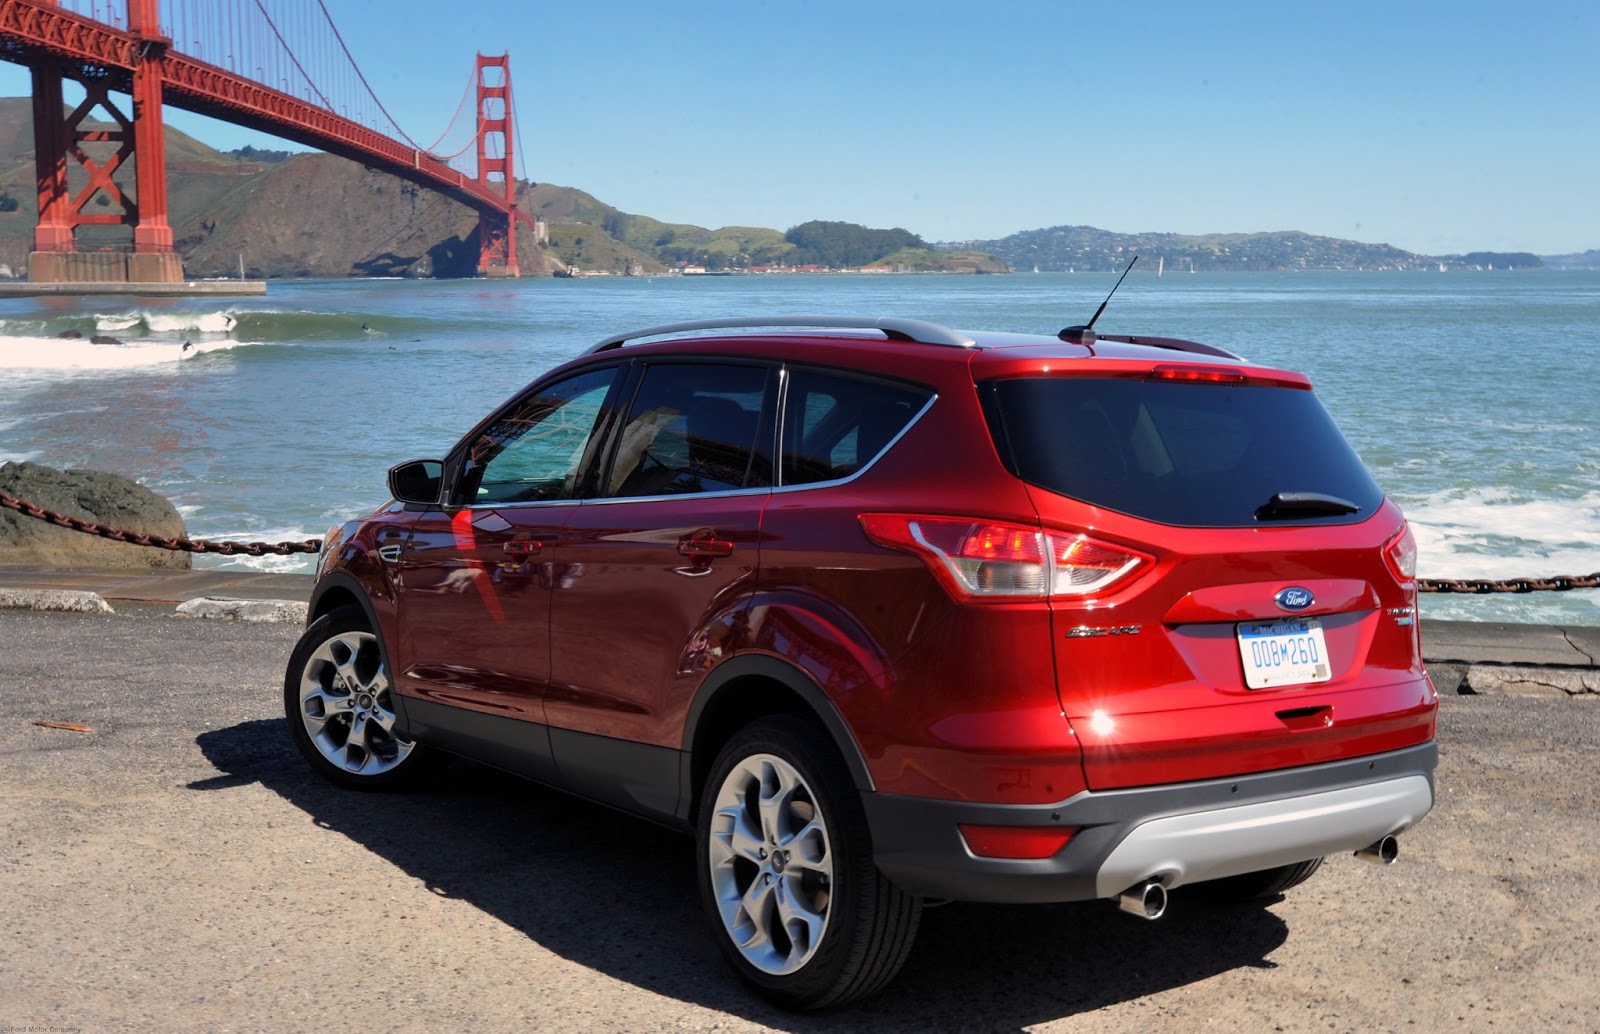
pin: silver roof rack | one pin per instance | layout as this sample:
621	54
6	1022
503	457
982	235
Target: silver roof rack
896	329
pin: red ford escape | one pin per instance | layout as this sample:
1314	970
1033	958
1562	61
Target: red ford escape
883	612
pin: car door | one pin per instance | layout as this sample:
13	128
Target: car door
656	569
473	583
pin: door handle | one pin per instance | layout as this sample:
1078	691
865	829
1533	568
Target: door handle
526	545
704	544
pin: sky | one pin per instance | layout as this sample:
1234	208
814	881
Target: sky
1437	127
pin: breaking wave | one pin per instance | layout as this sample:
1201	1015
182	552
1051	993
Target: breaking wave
49	353
1500	533
169	323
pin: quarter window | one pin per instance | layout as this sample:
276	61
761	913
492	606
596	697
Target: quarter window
835	425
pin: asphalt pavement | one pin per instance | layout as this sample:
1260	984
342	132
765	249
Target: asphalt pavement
169	862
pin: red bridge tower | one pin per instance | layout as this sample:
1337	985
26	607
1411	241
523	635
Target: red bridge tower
58	140
497	232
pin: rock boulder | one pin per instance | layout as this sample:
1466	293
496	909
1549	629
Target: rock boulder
94	495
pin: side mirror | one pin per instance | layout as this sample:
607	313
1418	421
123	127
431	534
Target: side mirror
418	481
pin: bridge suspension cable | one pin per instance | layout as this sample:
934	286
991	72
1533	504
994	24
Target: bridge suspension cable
461	105
293	46
359	75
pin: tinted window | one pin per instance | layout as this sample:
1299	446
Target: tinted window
694	427
1207	455
834	424
537	448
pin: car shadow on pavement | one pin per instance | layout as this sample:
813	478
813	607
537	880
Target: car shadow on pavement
617	895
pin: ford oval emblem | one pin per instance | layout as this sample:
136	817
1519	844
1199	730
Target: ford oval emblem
1294	598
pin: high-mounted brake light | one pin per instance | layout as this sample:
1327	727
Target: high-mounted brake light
1400	553
1191	374
977	559
1203	374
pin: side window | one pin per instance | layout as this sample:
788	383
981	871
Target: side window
536	450
694	427
837	424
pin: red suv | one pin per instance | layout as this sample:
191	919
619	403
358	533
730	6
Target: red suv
883	612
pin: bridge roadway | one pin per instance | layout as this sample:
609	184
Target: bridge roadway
177	867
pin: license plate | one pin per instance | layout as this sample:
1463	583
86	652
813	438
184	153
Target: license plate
1291	652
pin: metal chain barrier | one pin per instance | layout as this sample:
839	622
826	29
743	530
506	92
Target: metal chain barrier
182	545
1557	583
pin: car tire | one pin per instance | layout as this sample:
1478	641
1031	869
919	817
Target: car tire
1254	886
339	700
786	873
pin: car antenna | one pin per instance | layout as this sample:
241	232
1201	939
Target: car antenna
1085	335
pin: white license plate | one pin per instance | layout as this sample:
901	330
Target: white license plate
1291	652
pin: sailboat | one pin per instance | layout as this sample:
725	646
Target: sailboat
1161	266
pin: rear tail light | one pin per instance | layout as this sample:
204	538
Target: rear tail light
1400	553
977	559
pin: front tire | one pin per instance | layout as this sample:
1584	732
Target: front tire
339	701
786	874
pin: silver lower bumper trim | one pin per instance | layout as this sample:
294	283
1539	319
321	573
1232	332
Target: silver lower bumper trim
1208	845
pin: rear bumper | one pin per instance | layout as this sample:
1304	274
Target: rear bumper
1178	834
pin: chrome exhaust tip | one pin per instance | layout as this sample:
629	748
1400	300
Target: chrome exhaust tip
1147	900
1384	852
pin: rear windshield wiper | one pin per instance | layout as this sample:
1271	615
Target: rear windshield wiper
1304	504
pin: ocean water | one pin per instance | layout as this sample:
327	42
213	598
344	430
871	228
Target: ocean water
1471	396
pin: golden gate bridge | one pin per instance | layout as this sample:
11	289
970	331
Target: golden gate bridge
278	66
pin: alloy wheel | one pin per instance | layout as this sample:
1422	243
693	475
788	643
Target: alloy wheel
771	864
346	707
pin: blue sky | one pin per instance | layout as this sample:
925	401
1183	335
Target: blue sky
1437	127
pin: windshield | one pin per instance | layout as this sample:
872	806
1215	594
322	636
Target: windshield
1183	453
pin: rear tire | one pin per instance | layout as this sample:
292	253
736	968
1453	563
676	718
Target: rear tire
339	700
1254	886
786	874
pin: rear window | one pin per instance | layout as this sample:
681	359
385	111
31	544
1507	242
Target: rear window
1200	455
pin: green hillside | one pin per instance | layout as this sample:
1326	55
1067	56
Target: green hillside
1086	248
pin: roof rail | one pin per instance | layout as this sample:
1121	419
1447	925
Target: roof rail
1175	343
896	329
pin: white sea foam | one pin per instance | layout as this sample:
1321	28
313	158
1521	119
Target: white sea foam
296	563
1500	533
205	323
272	563
47	354
18	457
124	322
